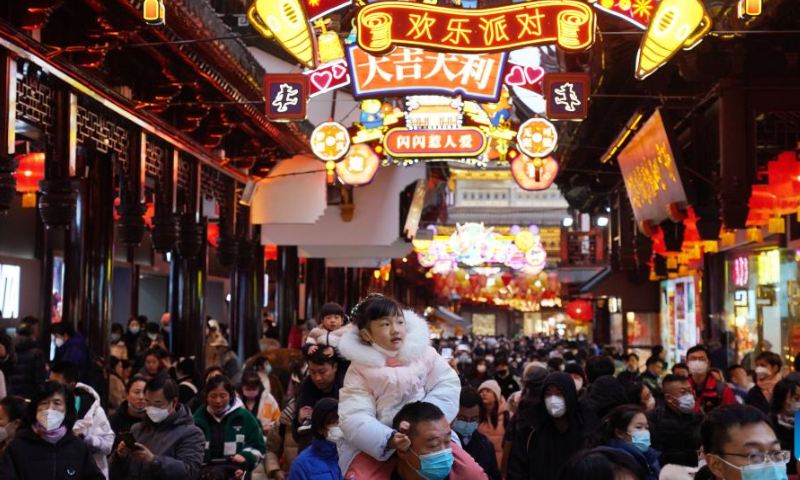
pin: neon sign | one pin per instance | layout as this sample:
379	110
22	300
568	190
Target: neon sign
677	25
359	166
320	8
537	137
741	271
567	95
384	25
287	23
286	97
408	71
330	141
405	143
154	12
534	173
327	78
749	8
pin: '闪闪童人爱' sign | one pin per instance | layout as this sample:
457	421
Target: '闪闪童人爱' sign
413	71
568	23
456	143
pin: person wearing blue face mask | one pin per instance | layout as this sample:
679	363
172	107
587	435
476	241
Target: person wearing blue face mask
626	429
474	442
739	444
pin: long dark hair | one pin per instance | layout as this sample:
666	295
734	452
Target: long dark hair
486	416
618	420
250	378
45	391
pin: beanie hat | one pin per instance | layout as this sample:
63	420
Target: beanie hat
322	410
493	387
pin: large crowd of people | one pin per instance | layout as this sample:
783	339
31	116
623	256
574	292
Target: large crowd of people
369	395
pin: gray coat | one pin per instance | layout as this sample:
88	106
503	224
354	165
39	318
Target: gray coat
176	443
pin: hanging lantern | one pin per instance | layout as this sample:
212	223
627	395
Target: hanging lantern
534	173
30	172
270	252
213	234
580	310
359	166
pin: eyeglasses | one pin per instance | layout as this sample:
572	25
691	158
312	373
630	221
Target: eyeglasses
780	456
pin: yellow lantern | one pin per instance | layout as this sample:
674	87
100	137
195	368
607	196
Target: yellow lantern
525	240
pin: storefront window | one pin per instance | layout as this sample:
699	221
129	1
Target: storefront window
679	317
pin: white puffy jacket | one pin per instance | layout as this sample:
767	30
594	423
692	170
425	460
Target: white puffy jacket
96	430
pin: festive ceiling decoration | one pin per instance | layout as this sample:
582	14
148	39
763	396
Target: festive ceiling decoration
749	8
522	292
319	8
287	23
567	95
329	45
359	167
330	141
410	71
534	173
30	171
327	78
637	12
537	137
473	244
384	25
580	310
676	25
433	112
286	97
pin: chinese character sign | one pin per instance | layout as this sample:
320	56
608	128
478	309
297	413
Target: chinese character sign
650	173
330	141
384	25
567	95
463	142
359	166
537	137
410	71
286	97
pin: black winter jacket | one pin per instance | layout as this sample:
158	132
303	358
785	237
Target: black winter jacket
30	370
29	457
675	435
482	451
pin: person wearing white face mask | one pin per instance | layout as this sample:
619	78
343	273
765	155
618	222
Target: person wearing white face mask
551	432
785	403
626	428
768	374
168	445
321	459
46	448
708	391
674	425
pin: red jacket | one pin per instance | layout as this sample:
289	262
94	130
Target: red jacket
712	394
295	339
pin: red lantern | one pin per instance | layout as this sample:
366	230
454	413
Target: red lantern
29	172
213	234
270	252
580	310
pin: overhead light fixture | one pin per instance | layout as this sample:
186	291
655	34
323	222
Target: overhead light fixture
602	221
247	194
567	222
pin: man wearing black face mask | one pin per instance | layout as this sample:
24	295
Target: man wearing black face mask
502	373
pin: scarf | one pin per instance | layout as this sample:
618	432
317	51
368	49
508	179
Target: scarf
52	436
767	386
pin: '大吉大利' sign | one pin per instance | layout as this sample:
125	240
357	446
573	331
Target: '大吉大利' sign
412	71
456	143
286	97
650	173
567	95
385	25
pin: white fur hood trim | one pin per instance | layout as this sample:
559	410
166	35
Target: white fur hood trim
417	340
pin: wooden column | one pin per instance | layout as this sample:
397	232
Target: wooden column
288	288
315	286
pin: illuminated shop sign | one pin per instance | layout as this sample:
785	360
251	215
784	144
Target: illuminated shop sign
567	95
651	175
408	71
286	22
524	76
327	78
677	25
384	25
537	137
534	173
749	8
319	8
330	141
286	97
359	167
637	12
405	143
741	271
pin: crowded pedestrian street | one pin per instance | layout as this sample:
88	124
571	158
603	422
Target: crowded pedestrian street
399	239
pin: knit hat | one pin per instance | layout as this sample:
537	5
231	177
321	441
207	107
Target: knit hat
332	308
493	387
322	410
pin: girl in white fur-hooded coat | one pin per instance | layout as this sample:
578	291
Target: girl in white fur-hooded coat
392	365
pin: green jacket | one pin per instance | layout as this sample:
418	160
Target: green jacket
243	434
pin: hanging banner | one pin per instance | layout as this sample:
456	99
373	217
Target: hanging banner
411	71
459	143
385	25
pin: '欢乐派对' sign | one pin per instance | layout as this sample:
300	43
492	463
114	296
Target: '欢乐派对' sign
384	25
457	143
412	71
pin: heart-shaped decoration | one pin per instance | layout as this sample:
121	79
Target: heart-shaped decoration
516	77
322	80
339	71
534	75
